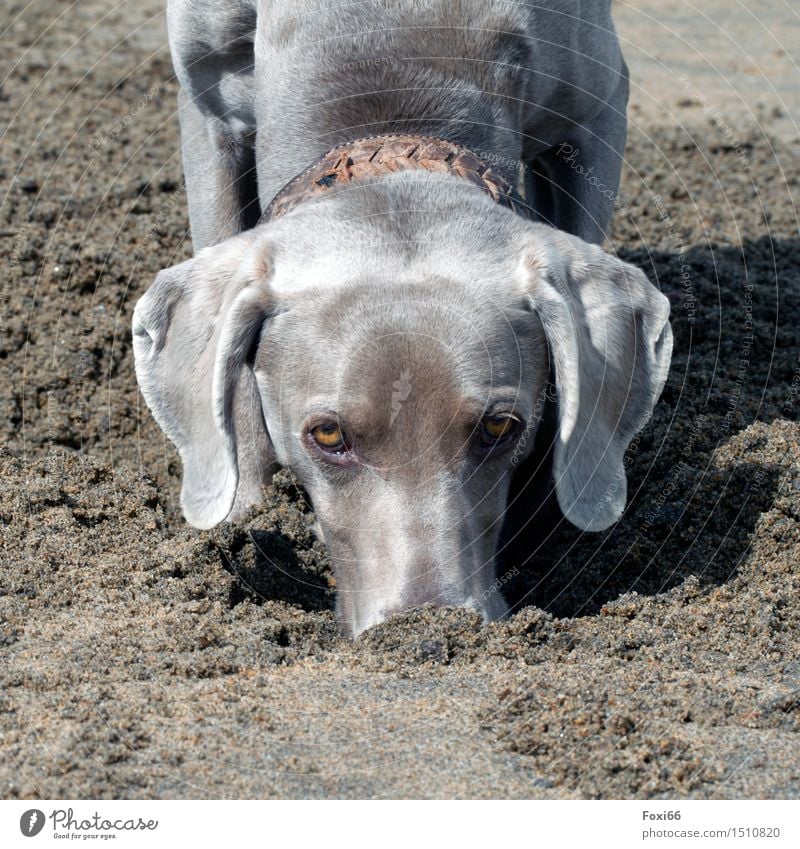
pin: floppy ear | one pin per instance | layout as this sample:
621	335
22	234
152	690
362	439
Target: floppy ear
610	340
195	333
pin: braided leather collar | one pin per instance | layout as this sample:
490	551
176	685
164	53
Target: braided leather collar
379	155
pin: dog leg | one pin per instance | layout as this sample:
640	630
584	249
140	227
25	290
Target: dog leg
574	185
220	174
212	50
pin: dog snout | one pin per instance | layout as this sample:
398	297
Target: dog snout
416	545
388	587
417	583
426	589
423	588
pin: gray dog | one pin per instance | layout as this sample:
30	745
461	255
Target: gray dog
373	305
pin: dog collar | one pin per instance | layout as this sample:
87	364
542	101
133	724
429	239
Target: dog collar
375	156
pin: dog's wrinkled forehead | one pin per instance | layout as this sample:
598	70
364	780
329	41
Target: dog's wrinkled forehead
358	341
406	368
400	394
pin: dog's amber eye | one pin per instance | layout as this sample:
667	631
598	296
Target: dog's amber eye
329	436
497	427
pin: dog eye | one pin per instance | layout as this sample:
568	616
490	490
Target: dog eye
329	436
495	428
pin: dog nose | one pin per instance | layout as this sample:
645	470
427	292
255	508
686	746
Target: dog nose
423	588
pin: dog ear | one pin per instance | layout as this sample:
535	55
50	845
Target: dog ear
610	340
195	333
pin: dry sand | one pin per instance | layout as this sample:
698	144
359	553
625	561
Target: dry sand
140	658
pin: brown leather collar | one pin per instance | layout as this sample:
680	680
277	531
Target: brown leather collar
378	155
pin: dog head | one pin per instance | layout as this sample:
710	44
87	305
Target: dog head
393	351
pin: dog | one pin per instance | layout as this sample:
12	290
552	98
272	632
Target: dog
398	271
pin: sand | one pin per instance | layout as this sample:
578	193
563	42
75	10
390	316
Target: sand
140	658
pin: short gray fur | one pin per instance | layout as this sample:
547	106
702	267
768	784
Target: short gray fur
417	281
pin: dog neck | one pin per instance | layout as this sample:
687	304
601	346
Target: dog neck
377	156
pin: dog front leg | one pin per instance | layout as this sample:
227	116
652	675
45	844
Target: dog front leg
574	185
220	174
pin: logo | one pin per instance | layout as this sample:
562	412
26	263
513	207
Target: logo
402	389
31	822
